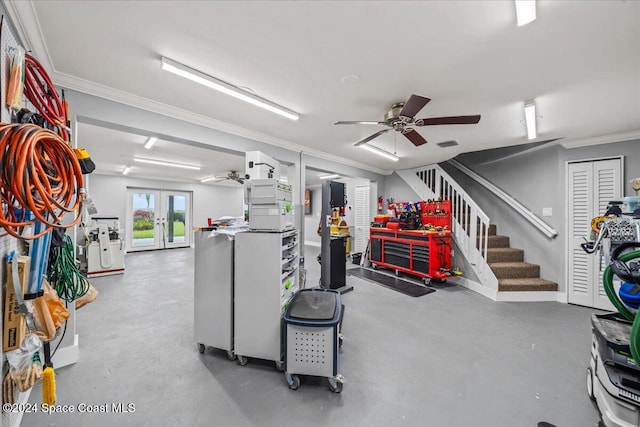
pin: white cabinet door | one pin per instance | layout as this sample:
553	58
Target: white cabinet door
590	187
362	218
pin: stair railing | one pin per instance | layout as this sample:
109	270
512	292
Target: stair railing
470	225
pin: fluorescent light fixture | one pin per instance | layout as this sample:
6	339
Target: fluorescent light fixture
525	11
152	140
530	119
330	176
379	152
284	179
163	163
126	170
226	88
211	178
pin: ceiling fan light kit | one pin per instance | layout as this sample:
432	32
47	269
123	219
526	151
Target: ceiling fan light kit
401	118
226	88
530	119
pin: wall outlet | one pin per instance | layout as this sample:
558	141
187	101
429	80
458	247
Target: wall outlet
547	212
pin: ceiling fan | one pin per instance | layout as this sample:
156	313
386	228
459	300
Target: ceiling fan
401	118
233	175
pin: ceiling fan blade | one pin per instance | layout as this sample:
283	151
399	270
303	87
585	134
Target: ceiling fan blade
413	136
370	137
361	123
454	120
413	105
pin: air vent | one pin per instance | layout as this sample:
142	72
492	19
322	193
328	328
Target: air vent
446	144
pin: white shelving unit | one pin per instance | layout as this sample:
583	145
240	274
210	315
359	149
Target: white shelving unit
266	276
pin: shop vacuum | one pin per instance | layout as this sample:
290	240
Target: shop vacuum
613	375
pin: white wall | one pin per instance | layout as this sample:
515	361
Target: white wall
109	193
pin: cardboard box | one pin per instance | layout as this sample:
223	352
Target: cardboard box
14	324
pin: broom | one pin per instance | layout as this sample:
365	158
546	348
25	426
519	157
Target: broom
48	378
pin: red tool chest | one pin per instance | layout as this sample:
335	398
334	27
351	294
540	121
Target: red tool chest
425	254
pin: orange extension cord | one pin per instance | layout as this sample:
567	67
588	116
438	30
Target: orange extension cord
41	173
39	90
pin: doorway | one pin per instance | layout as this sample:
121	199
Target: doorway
591	185
157	219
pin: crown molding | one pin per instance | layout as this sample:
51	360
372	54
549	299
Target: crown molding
27	26
602	139
25	19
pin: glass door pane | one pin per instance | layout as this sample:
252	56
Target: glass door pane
143	220
176	211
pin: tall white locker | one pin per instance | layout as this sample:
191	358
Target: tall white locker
266	276
213	291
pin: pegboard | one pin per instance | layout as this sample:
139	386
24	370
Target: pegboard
8	41
8	243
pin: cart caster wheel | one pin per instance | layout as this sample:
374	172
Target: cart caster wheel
231	355
242	360
293	381
335	385
590	384
397	273
427	281
201	348
374	266
280	366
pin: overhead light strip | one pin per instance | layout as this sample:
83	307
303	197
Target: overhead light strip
163	163
152	140
525	11
126	170
226	88
211	178
530	119
379	152
330	176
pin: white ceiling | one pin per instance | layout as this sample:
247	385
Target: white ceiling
580	60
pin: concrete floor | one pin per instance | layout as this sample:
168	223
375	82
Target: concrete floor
450	358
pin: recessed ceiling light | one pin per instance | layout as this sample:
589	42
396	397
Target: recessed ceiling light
163	163
525	11
530	119
379	152
226	88
152	140
126	170
330	176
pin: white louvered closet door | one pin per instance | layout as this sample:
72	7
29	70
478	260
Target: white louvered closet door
362	218
591	185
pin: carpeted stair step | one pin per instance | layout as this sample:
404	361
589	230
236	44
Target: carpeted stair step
522	285
498	242
505	255
515	270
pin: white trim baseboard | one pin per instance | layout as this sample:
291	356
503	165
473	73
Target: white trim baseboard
474	286
531	296
310	243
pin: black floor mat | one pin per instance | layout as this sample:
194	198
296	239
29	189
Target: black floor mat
394	283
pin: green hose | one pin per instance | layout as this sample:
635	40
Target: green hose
607	282
64	274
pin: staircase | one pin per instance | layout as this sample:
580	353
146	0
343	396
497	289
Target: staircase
507	264
500	271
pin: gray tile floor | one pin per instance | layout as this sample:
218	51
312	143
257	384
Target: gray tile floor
450	358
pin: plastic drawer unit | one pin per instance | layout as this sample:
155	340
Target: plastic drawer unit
312	336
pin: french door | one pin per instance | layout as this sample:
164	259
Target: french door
157	219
